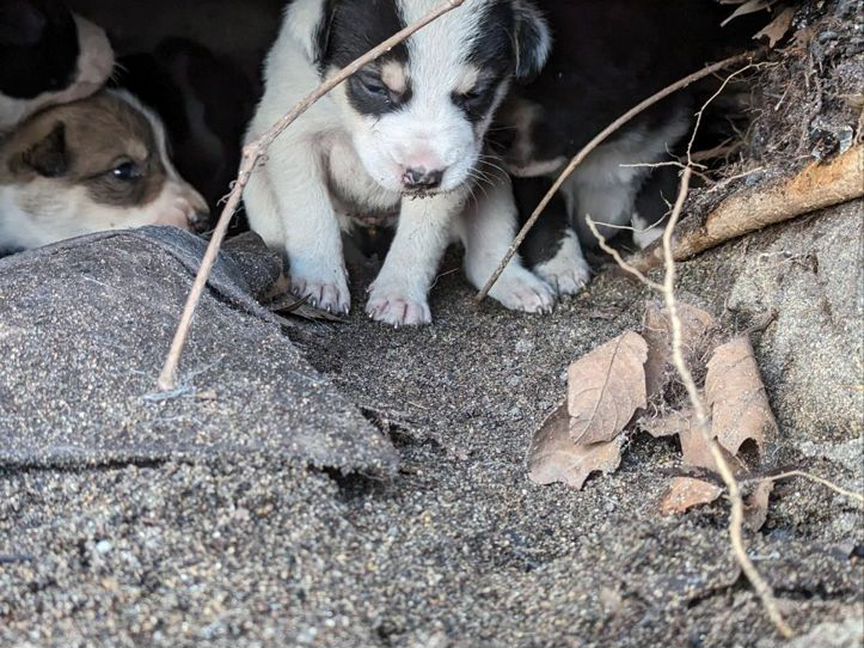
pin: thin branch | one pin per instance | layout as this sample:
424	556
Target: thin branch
591	146
736	519
252	153
701	111
819	480
615	254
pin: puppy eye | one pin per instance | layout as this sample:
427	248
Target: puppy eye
127	172
474	96
374	86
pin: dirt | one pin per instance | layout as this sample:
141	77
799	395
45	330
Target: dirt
460	550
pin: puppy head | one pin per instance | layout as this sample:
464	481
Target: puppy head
418	115
96	164
47	56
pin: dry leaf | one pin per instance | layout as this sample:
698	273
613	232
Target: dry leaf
777	28
756	505
696	451
605	388
687	492
747	7
555	457
670	425
734	391
696	328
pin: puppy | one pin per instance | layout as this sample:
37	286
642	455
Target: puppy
403	140
96	164
590	80
47	56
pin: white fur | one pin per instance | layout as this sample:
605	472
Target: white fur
644	233
486	229
334	162
606	184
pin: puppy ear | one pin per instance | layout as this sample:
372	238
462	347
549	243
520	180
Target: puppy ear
532	39
48	157
309	22
21	24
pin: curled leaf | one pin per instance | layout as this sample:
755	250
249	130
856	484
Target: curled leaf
697	326
777	28
740	410
746	7
696	448
756	505
555	457
686	493
605	388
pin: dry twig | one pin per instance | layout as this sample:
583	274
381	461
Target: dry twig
592	145
736	520
858	497
252	153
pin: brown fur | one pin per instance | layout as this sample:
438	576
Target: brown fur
96	164
88	139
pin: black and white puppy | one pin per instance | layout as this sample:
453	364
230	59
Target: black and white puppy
47	56
403	140
607	57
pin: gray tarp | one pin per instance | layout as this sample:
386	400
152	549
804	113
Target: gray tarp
84	328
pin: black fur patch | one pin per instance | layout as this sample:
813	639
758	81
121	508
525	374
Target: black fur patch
493	54
623	54
349	29
544	240
39	47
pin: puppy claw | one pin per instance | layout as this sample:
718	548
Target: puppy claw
398	311
328	296
519	289
568	271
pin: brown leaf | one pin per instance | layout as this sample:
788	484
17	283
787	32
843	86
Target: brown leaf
555	457
747	7
696	328
605	388
670	425
756	505
696	448
687	492
777	28
734	391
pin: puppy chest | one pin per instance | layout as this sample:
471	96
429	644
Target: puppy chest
353	191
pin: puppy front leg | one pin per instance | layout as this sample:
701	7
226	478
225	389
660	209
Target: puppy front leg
487	228
299	220
398	296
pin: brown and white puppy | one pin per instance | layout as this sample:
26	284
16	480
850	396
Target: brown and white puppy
48	55
96	164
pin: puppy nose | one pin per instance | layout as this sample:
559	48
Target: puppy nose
199	221
420	178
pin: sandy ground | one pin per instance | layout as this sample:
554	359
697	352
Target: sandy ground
460	549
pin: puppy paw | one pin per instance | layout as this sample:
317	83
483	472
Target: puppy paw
325	290
519	289
398	307
567	272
